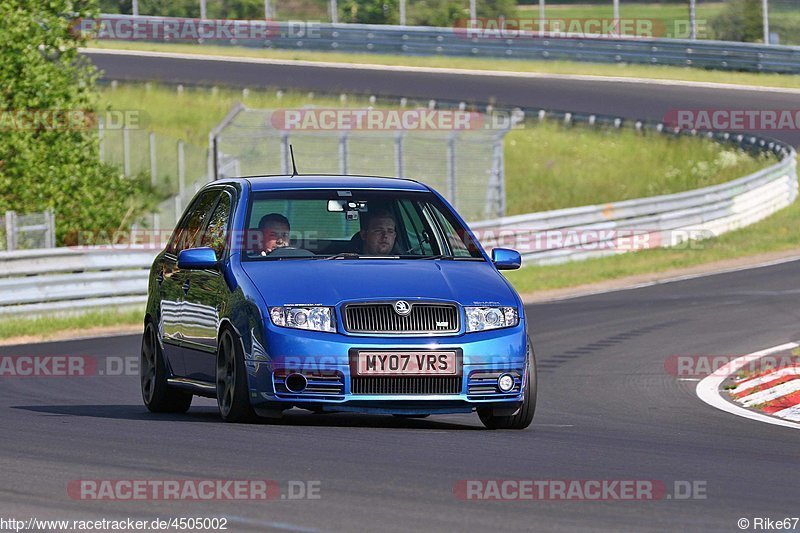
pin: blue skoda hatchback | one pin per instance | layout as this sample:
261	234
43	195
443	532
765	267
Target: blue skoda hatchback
334	294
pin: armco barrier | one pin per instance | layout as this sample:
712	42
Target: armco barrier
64	279
421	40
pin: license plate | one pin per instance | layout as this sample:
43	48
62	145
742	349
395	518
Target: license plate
426	363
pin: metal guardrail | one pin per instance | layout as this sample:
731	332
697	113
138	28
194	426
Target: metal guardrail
422	40
553	237
36	282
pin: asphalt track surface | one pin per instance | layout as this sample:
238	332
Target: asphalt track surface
607	409
628	100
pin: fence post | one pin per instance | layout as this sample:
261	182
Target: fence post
343	153
181	181
101	140
50	235
11	231
126	151
153	168
285	163
334	7
399	167
451	168
497	187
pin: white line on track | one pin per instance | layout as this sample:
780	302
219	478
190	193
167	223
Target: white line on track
708	389
442	70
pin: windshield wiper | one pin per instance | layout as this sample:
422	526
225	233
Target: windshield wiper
343	255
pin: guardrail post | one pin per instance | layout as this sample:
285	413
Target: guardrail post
11	231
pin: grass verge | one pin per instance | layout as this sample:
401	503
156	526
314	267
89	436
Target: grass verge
43	328
548	166
655	72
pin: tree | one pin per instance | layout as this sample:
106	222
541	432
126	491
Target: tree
741	20
48	157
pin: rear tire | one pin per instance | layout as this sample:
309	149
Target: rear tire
523	418
158	396
232	390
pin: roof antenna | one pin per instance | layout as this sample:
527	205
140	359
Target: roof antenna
294	167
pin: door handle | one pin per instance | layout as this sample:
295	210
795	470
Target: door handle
185	287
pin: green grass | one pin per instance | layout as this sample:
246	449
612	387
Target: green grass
548	166
669	20
46	326
492	64
773	234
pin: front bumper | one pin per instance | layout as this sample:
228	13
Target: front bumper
324	359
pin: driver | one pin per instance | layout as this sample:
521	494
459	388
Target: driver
378	233
274	228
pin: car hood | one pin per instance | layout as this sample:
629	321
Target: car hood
331	282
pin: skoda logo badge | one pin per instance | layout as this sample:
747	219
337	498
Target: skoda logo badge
402	308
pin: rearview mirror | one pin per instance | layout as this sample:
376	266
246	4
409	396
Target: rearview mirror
197	258
506	259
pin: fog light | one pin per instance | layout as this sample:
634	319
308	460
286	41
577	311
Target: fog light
505	382
296	382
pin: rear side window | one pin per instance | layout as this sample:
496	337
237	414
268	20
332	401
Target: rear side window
189	233
216	234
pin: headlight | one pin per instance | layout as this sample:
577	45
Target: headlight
312	318
483	318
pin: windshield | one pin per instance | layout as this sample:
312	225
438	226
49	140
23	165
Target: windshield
353	224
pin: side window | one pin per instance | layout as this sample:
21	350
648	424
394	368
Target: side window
454	239
418	235
217	231
189	236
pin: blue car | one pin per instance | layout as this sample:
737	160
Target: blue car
334	294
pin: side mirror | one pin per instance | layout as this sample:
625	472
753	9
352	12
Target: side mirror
197	258
505	259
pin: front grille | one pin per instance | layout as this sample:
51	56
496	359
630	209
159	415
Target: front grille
484	384
406	385
424	318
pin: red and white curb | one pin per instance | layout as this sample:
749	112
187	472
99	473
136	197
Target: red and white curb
776	392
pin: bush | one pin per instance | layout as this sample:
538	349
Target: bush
370	11
741	20
44	166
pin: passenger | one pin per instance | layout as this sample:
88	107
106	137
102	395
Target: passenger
274	228
378	233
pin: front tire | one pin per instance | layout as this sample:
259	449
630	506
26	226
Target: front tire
158	396
232	390
523	418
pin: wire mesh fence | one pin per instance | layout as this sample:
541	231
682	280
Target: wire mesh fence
466	166
27	231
